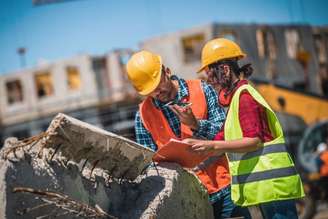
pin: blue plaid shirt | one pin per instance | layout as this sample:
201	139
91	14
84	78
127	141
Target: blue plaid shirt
207	128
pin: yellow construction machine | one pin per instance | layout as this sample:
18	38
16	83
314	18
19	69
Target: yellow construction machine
304	118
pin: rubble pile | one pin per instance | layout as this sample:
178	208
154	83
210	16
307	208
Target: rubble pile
75	170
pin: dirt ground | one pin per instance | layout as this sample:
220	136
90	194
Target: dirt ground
322	212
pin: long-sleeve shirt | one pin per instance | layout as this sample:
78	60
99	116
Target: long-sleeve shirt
207	128
252	117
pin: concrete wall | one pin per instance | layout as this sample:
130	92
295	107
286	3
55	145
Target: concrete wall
288	70
104	85
62	99
119	86
169	46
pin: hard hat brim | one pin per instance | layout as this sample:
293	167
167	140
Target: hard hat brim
147	91
243	55
201	68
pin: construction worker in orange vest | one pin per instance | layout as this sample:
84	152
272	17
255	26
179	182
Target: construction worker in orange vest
322	160
157	121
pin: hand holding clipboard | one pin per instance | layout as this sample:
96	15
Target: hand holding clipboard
178	152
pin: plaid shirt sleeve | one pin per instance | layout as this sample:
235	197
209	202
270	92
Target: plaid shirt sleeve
143	137
216	115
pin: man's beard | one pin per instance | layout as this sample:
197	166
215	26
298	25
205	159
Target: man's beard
163	97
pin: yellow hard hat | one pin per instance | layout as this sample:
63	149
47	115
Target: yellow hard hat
219	49
144	71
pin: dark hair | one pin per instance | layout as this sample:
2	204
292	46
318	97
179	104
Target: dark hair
247	69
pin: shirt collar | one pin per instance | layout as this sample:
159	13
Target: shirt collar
240	83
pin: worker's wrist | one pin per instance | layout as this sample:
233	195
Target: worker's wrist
218	148
195	125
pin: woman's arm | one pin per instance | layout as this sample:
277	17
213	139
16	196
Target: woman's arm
236	146
239	146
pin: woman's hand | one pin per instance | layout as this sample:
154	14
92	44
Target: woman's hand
201	147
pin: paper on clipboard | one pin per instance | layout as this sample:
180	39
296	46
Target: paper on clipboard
178	152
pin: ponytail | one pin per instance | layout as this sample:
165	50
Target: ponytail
247	70
242	73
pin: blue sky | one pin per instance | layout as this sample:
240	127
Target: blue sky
56	31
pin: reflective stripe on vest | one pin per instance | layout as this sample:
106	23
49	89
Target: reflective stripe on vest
270	149
267	174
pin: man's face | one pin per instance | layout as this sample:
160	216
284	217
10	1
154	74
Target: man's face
165	90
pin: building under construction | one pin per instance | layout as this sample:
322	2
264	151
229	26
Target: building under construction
93	89
291	55
96	90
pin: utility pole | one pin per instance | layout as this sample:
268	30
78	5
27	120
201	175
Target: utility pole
46	2
21	52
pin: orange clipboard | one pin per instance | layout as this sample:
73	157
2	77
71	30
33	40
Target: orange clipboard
178	152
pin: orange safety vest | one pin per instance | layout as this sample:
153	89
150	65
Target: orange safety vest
213	172
324	167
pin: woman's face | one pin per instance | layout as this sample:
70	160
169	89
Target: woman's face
219	76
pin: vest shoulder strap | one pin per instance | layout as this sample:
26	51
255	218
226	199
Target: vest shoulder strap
232	124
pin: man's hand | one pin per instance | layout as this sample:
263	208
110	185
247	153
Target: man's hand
185	115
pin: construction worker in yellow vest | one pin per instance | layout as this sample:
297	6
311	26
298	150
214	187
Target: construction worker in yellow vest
157	121
261	169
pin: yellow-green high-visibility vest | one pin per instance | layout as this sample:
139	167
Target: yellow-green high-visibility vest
267	174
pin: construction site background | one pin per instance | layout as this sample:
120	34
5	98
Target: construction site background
96	89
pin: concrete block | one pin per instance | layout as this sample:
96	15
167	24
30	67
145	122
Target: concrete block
77	140
165	191
46	176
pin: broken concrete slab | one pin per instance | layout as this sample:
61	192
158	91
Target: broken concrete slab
164	191
172	192
38	179
37	174
77	140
